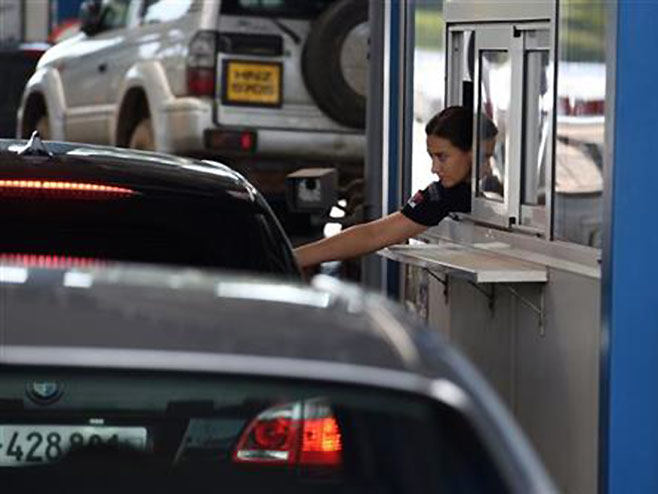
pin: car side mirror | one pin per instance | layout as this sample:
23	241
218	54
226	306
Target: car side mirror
90	16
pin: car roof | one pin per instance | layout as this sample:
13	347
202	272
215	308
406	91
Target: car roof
186	310
139	170
138	316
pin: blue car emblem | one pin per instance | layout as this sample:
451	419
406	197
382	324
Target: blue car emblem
45	392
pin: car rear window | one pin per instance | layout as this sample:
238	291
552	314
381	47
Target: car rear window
279	8
167	229
101	431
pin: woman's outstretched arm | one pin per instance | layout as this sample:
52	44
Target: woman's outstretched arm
359	239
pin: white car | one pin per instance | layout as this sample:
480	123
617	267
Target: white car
268	86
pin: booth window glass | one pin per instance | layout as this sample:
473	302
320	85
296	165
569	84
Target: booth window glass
579	146
495	88
537	113
429	86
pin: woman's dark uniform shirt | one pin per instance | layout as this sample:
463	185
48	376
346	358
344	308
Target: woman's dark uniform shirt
428	207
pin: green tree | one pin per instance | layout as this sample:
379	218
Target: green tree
582	30
429	25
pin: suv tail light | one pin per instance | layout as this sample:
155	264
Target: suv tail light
301	433
201	64
233	140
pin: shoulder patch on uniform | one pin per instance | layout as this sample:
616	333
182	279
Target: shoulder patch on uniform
416	199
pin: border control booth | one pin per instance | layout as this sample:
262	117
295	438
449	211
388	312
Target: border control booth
524	284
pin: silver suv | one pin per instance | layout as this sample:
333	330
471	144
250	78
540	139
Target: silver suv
267	85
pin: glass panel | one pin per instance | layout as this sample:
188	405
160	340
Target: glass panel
166	229
495	88
537	110
468	64
429	55
579	150
115	14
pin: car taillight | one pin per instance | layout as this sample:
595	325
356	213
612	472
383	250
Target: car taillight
34	50
321	444
57	188
301	433
230	140
201	64
50	261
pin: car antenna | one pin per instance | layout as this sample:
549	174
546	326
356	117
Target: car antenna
35	146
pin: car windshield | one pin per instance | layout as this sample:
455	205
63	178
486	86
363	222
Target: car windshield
101	431
280	8
168	228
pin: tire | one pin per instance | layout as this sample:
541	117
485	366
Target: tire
142	136
334	62
43	128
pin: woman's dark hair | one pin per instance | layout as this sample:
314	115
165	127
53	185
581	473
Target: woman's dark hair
455	123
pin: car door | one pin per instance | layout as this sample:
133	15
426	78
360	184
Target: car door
86	75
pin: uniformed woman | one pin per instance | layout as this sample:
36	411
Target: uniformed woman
449	141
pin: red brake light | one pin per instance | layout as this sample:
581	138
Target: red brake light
321	442
201	62
33	54
74	189
272	437
34	50
246	141
234	140
273	434
49	261
200	81
300	433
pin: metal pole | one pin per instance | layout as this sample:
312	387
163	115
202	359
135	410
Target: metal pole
372	265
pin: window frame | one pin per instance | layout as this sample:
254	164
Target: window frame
537	218
492	39
511	213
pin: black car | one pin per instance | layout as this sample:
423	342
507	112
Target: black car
18	61
138	379
91	204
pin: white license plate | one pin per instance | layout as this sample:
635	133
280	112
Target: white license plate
33	444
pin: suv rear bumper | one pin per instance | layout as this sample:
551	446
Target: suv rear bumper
185	123
302	144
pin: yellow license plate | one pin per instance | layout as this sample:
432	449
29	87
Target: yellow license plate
252	83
